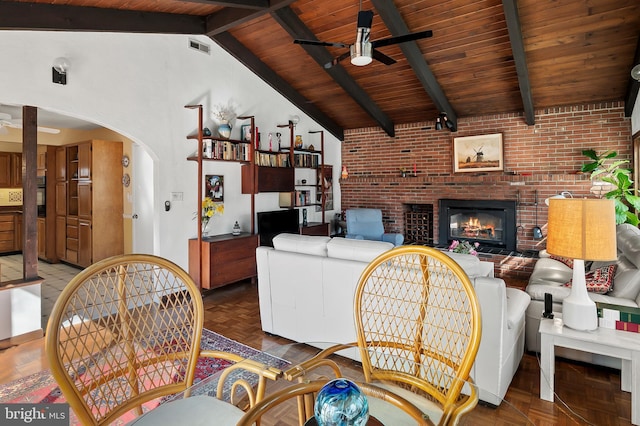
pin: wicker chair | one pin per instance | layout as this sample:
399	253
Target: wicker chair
126	331
418	328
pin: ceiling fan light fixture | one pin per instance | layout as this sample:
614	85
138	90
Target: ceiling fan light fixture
361	54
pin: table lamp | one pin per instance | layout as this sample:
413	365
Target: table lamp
581	229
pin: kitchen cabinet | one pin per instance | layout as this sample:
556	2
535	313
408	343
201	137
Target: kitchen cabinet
42	238
89	199
10	170
10	232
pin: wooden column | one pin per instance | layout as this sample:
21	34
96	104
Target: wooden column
29	204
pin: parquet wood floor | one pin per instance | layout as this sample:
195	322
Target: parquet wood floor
591	392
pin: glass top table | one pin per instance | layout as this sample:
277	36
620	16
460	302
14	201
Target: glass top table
284	357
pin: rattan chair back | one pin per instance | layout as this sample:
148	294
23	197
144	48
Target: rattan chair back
124	331
418	323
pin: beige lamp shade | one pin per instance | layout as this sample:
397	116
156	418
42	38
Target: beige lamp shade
582	228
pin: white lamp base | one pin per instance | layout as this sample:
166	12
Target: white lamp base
578	310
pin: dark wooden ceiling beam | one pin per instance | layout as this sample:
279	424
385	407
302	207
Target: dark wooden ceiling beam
249	60
517	47
632	88
39	16
396	25
229	17
243	4
298	30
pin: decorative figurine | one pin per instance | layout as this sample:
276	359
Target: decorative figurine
279	137
236	229
298	142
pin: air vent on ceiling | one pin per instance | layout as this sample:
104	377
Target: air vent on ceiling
194	44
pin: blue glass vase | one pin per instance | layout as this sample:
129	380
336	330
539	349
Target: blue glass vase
341	403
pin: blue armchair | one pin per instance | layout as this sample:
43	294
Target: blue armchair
366	224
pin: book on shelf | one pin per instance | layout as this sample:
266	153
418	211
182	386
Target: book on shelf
272	159
225	150
618	317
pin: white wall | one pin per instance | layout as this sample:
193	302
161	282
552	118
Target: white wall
137	85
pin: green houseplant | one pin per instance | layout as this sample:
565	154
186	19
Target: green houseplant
605	168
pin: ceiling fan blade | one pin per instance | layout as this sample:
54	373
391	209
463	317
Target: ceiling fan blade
40	129
387	60
337	59
320	43
401	39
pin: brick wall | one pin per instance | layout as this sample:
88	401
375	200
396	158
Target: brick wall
543	158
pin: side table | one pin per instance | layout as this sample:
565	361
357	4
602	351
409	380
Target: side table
614	343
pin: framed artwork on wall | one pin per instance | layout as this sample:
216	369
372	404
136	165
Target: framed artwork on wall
478	153
214	187
245	133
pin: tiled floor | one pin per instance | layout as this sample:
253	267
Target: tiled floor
56	276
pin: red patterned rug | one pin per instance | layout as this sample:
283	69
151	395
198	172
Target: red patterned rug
42	388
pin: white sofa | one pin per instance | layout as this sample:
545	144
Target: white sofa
550	275
306	287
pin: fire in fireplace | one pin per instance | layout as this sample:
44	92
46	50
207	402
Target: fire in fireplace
491	223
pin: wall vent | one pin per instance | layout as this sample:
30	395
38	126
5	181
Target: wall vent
194	44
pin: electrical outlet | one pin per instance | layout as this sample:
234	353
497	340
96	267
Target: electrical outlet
176	196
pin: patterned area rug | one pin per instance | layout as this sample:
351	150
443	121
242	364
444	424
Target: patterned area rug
42	388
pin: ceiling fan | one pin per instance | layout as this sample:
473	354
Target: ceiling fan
363	51
6	121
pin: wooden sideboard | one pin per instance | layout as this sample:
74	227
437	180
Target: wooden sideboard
225	259
315	228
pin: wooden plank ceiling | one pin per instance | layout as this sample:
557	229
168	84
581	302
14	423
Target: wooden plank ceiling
485	56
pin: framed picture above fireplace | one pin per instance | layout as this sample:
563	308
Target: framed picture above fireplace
481	153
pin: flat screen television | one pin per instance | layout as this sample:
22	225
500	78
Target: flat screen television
276	222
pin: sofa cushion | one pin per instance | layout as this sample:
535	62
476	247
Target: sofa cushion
468	262
360	250
599	280
305	244
566	261
628	242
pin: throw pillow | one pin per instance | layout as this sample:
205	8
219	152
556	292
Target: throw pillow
568	262
600	280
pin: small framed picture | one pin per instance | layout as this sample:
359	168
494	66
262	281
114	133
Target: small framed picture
245	133
478	153
214	187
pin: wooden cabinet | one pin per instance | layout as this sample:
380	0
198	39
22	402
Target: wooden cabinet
315	228
10	170
268	179
89	200
225	259
42	238
5	169
10	232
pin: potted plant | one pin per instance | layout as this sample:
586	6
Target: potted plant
613	181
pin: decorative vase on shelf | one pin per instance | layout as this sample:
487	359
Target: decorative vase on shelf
224	130
341	402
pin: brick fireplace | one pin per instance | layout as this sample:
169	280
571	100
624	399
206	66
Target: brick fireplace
490	223
541	159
